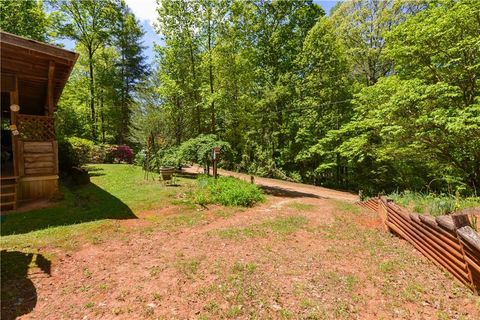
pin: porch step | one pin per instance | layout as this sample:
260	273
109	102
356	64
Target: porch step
8	193
8	178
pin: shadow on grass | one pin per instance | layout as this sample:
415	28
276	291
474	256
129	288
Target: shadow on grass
81	204
95	171
186	175
18	292
281	192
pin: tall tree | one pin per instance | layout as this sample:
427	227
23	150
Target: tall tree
178	23
132	65
25	18
87	22
325	87
421	125
362	25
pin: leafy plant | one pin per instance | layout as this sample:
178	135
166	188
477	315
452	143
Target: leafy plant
227	191
121	153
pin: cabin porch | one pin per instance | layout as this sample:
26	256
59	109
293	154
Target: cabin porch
33	75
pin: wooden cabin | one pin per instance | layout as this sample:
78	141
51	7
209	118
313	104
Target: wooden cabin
33	75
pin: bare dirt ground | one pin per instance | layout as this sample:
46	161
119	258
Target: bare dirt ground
293	257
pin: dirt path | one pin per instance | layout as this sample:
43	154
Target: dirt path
293	257
275	186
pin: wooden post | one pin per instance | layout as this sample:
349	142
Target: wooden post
383	212
13	121
49	103
470	242
216	154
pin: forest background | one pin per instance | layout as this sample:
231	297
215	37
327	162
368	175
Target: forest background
380	96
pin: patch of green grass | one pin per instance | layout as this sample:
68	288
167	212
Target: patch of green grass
228	212
279	226
248	268
433	204
227	191
234	311
413	292
188	219
301	206
286	225
347	207
387	266
188	267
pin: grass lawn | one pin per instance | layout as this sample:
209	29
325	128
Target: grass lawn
116	192
123	247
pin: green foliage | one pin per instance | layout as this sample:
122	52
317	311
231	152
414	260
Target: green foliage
102	153
434	204
168	158
227	191
25	18
74	152
199	149
82	149
109	71
379	96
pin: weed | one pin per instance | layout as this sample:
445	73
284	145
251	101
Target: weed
248	268
188	267
350	282
212	306
103	287
234	311
89	305
387	266
286	314
156	270
413	291
87	273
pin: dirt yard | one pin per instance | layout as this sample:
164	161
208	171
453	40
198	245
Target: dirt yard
297	256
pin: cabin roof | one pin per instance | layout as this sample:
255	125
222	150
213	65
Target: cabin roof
31	61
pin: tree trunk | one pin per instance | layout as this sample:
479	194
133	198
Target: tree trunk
92	95
194	76
102	119
210	67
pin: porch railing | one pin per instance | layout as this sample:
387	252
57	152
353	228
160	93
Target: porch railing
36	128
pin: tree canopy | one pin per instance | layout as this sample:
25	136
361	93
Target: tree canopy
378	96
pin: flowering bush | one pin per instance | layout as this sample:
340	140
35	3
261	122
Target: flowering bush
122	153
103	153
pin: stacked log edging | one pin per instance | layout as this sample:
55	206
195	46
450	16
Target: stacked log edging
448	241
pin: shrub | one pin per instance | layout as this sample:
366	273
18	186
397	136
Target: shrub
227	191
74	152
169	158
121	153
140	158
102	153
